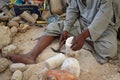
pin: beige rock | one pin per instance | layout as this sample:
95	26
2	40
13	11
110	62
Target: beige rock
6	75
55	61
25	15
5	36
45	14
16	19
18	66
2	23
3	17
14	30
13	23
4	63
3	13
39	75
35	16
71	65
17	75
10	49
32	70
69	52
23	28
8	13
34	77
56	6
22	22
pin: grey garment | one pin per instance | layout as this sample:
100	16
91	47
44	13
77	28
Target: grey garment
105	46
94	16
56	28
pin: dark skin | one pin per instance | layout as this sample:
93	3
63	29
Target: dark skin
79	40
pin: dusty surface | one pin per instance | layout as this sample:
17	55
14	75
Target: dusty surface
90	69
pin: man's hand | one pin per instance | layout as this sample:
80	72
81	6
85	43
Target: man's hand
79	40
63	37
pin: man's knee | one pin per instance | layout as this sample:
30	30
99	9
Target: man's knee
51	26
111	51
107	49
56	26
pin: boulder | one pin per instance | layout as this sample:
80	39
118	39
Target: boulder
5	36
18	66
4	63
71	65
17	75
10	49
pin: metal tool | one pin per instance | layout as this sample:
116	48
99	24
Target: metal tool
57	51
59	48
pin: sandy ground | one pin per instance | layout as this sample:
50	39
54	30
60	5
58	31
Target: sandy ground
90	69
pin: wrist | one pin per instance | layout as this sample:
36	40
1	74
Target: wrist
65	32
85	33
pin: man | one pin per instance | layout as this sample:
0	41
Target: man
94	32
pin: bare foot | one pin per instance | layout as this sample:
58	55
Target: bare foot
22	58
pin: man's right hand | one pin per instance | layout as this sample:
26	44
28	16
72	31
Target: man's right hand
63	37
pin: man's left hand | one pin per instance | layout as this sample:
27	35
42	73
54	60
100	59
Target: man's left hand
79	40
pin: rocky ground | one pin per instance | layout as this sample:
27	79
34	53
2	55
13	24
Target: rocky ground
90	69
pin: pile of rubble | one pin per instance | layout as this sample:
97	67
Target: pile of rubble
10	25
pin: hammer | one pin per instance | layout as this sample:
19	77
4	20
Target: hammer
58	49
